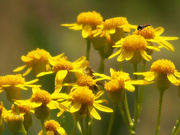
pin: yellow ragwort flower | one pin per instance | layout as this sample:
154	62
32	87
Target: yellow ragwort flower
133	48
154	35
37	61
163	71
12	84
116	27
86	21
61	66
82	99
54	128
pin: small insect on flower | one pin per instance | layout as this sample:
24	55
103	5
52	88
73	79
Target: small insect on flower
140	27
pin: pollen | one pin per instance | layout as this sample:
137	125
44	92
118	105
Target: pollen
36	56
22	108
163	66
114	22
134	43
89	18
147	32
86	80
120	74
62	64
83	95
52	125
12	80
114	85
41	96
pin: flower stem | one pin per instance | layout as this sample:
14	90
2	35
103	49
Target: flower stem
111	119
43	127
80	120
159	112
176	129
88	49
74	127
101	66
136	106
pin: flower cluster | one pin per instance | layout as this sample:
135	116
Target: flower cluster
79	90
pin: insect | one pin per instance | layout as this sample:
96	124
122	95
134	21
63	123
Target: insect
140	27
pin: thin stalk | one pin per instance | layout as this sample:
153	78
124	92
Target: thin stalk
142	90
82	126
136	106
111	119
176	129
101	66
74	127
159	112
43	127
88	49
90	123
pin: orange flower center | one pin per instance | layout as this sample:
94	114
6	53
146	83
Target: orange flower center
12	80
62	64
22	108
147	32
52	125
85	80
163	66
134	43
89	18
41	96
117	75
114	22
83	95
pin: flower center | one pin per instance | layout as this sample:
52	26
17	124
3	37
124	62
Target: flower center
147	32
83	95
134	43
114	22
41	96
12	80
22	108
62	64
163	66
52	125
89	18
86	80
37	56
117	75
114	85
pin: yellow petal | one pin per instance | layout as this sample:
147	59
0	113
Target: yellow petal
60	75
128	86
75	107
145	55
93	112
25	59
27	71
44	73
116	53
159	31
102	108
100	93
172	78
86	31
19	68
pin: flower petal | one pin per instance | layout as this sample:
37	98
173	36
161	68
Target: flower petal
102	108
19	68
86	31
172	78
93	112
44	73
128	86
145	55
75	107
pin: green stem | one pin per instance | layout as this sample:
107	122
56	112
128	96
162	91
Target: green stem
23	128
136	108
127	110
101	66
159	112
125	118
74	127
176	129
43	127
88	49
90	123
111	119
80	120
142	90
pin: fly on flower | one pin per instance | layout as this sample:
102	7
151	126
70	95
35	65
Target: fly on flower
140	27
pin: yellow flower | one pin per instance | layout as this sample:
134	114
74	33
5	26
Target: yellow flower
133	48
36	60
12	84
62	67
115	27
53	127
82	99
87	22
163	72
153	35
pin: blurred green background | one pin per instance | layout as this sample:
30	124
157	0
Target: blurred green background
29	24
